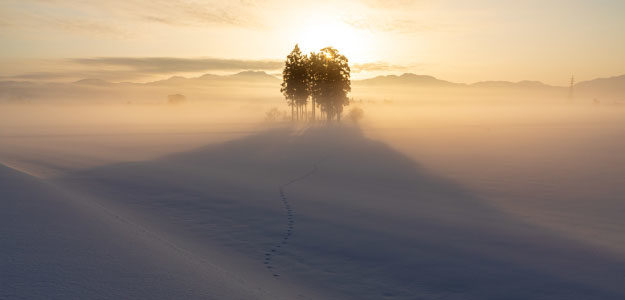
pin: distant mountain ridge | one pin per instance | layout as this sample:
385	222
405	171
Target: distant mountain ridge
407	79
600	89
431	81
606	86
509	84
245	76
614	84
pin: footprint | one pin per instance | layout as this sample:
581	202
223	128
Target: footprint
290	220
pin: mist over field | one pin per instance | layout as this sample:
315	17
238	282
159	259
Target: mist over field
353	149
452	192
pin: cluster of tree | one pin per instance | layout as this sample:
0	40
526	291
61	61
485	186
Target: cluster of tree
323	77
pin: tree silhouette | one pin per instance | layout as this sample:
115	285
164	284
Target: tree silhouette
323	75
295	84
330	81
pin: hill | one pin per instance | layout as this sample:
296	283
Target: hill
255	77
509	84
611	88
409	79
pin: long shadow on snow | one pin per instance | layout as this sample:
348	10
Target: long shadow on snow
371	223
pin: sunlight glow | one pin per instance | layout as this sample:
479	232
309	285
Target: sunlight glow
317	33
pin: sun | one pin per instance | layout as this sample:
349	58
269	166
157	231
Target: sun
318	33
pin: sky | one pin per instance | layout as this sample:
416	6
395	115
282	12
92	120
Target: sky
455	40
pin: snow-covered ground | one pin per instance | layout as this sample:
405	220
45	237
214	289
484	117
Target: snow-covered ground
423	209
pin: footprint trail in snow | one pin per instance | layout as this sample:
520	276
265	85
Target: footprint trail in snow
290	222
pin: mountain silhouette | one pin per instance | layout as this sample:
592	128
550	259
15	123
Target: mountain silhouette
245	76
509	84
605	90
407	79
611	88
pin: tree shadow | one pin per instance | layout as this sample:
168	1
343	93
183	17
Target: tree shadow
370	223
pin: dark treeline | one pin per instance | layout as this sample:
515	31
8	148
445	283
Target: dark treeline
323	77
